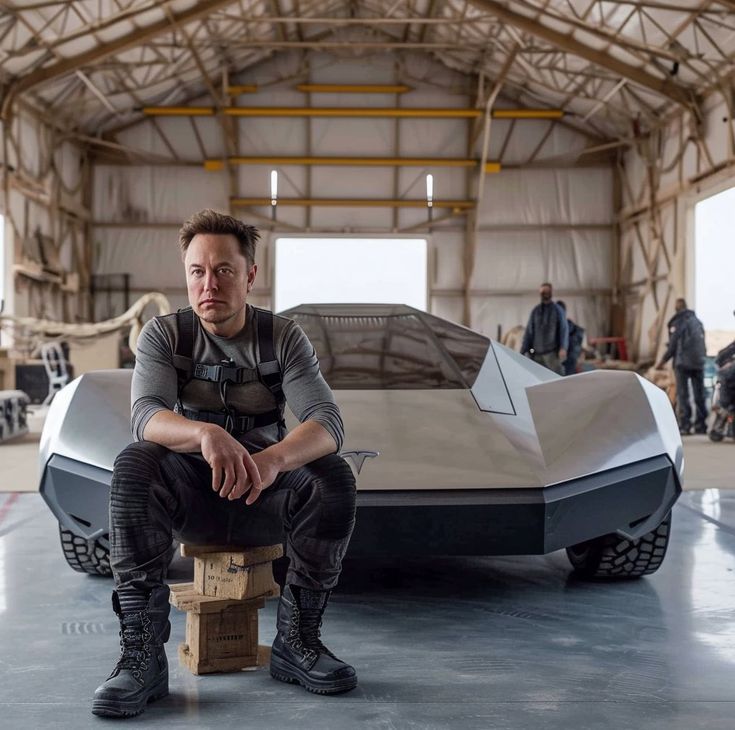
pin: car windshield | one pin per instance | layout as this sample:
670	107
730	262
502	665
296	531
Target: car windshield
405	349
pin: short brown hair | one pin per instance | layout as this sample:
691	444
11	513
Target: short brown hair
221	224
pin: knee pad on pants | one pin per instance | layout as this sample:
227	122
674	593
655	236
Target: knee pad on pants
335	484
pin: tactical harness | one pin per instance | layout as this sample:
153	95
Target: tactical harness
267	372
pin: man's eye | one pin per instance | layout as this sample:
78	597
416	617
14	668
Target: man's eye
225	270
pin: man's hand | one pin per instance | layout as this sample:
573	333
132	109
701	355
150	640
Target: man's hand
269	466
231	464
562	354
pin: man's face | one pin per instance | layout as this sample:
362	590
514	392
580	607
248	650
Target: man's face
218	277
545	292
679	306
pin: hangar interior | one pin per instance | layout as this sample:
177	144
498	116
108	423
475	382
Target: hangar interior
566	141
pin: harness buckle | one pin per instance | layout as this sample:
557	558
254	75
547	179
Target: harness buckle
208	372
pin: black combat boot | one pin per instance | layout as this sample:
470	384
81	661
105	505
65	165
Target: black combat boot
298	654
141	673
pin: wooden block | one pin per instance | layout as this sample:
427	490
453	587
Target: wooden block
223	575
237	664
225	641
184	597
252	555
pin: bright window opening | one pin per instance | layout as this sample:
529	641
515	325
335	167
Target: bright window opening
351	271
714	263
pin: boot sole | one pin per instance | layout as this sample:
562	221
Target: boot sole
117	708
285	672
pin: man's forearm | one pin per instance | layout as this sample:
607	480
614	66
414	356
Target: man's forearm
175	432
307	442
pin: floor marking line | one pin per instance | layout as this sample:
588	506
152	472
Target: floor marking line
7	505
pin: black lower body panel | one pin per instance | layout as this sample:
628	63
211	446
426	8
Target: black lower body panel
630	500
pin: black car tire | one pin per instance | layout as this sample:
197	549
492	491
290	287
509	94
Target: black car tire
84	557
612	556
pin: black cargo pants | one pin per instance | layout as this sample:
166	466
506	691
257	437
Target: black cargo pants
158	494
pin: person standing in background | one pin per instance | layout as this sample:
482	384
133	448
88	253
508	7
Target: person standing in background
576	338
686	347
546	338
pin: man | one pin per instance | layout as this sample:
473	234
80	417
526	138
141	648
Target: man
212	464
576	338
546	337
686	346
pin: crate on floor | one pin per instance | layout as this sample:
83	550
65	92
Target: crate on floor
230	585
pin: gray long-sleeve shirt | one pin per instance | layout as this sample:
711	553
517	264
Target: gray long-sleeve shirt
154	386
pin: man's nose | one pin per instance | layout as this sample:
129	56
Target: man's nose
210	280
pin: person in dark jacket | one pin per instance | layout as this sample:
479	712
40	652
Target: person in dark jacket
686	347
576	338
546	338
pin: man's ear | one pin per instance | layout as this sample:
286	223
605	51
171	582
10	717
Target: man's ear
251	276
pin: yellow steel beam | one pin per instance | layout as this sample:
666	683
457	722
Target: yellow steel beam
178	111
527	113
352	203
238	89
360	112
423	113
354	88
217	164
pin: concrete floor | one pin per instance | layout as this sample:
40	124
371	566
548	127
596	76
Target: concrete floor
448	643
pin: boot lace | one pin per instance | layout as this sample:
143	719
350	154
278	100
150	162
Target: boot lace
135	645
296	636
311	634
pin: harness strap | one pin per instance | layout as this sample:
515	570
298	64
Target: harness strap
184	345
234	423
268	367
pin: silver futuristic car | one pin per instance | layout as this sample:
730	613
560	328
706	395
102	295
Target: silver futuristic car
460	446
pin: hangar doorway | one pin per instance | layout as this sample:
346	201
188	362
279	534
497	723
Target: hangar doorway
329	270
714	264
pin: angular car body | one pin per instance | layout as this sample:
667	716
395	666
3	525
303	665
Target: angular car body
460	446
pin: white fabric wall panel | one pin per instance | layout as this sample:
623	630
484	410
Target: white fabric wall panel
151	255
67	163
269	136
29	215
370	70
526	136
548	196
446	250
635	172
155	194
523	259
349	219
670	147
180	133
433	137
354	137
328	182
31	154
716	131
